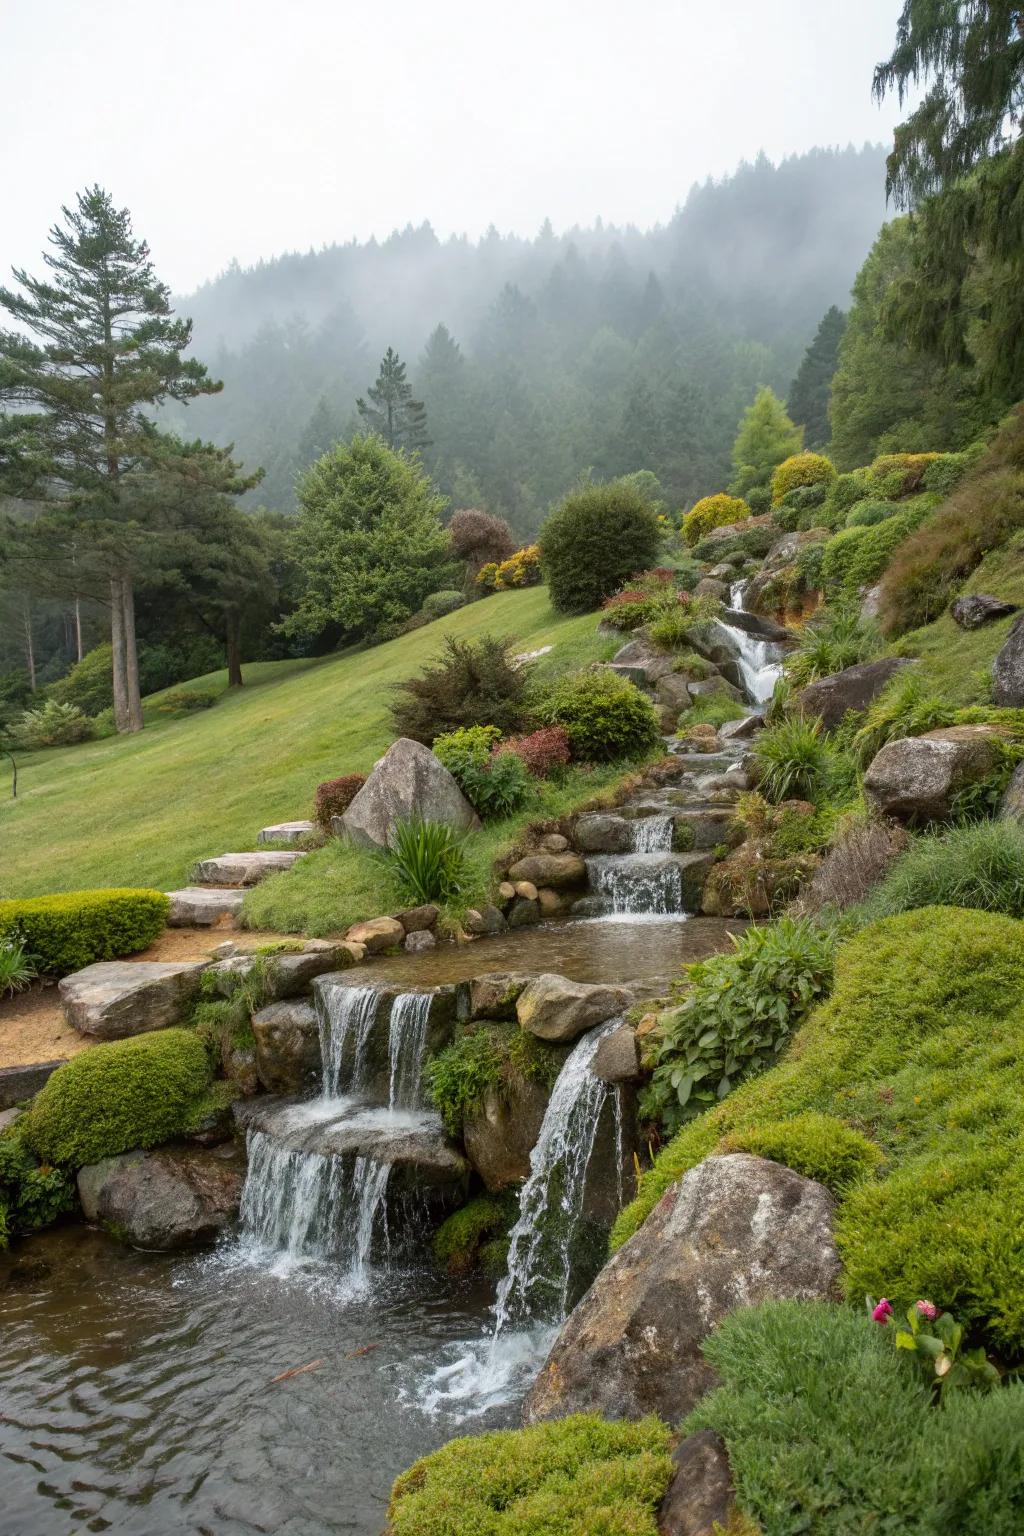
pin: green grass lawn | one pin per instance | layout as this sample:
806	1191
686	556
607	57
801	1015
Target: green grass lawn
139	810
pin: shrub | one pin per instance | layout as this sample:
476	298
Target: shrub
479	538
792	760
578	1476
900	474
979	866
426	862
946	470
860	856
674	624
470	744
759	499
603	715
334	796
843	493
865	514
32	1194
473	682
543	752
88	684
458	1241
494	786
521	569
826	1433
16	969
738	1012
799	470
117	1096
834	639
594	540
817	1146
438	604
921	1047
497	1059
713	512
63	933
52	725
857	557
184	701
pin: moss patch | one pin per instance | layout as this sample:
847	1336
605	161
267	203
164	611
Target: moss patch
494	1058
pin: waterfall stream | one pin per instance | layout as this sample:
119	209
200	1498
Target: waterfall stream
653	834
407	1041
345	1014
638	884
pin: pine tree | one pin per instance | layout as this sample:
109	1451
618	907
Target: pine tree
810	390
766	436
391	412
101	350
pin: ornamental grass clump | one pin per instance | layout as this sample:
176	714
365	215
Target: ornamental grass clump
426	862
980	865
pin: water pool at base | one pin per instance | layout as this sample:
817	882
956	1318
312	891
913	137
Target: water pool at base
138	1397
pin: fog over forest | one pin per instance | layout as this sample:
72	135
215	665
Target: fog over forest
600	349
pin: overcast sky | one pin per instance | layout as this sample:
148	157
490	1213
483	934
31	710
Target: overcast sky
241	128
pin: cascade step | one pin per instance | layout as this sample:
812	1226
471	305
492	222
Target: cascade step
285	832
204	906
239	869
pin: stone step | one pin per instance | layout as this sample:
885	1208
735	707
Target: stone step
286	832
114	998
204	906
238	869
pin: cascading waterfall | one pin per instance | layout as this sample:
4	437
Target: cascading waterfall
407	1041
759	664
736	592
653	834
638	884
344	1015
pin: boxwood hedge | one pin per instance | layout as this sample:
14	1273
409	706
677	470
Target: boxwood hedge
63	933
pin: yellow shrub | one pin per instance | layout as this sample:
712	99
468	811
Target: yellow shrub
898	474
520	570
713	512
799	470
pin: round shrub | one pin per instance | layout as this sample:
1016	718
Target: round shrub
543	752
64	933
713	512
52	725
801	469
603	715
572	1477
521	569
899	474
334	796
857	557
759	500
864	514
818	1146
438	604
479	538
597	537
117	1096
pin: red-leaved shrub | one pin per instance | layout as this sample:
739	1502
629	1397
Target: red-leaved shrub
541	752
334	796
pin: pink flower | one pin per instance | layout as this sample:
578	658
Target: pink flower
927	1309
882	1311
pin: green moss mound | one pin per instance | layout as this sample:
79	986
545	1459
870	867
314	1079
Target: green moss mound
494	1059
460	1241
579	1476
818	1146
114	1097
828	1431
64	933
921	1049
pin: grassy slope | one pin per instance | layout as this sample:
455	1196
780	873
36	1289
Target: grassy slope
140	810
958	662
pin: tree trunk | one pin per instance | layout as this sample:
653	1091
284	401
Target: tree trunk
233	642
131	655
119	675
78	629
30	650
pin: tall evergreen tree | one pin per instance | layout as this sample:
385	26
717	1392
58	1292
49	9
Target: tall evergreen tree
810	390
766	436
391	412
101	351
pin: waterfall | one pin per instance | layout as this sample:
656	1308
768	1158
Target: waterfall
538	1279
407	1042
302	1206
759	662
345	1014
653	834
736	592
638	884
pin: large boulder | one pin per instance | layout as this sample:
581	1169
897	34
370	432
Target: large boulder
408	781
554	870
115	998
734	1231
502	1133
378	935
700	1500
918	779
977	608
554	1008
830	698
1008	669
288	1057
492	996
673	691
173	1198
640	658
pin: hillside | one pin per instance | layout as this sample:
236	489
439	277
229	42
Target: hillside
139	810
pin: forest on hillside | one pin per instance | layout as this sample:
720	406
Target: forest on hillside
603	349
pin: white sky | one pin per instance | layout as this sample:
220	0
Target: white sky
240	128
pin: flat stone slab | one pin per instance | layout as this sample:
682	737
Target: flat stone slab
286	832
240	869
116	998
203	906
20	1083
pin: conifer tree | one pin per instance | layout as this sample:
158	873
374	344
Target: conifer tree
391	412
810	390
101	350
766	436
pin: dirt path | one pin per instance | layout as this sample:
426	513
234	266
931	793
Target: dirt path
32	1026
